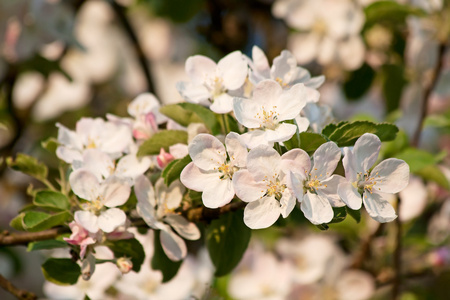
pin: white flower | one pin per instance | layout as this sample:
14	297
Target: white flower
284	70
211	82
316	187
390	176
212	167
156	207
100	212
269	107
264	184
145	109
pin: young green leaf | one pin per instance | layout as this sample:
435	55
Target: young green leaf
339	214
206	115
163	139
37	221
355	214
28	165
173	170
227	239
17	222
62	271
161	262
179	114
47	244
53	201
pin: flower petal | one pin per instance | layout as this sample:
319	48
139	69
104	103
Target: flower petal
245	111
183	227
169	197
236	149
115	191
111	219
282	133
84	184
233	69
262	213
199	67
207	152
378	208
287	203
366	151
326	158
349	194
222	104
196	179
391	175
172	244
316	209
328	190
144	191
218	194
263	162
246	188
87	220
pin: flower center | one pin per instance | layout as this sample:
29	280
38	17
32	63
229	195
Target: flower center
217	87
281	82
367	182
268	118
312	183
275	187
227	170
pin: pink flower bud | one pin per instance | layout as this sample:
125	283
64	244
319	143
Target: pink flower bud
164	158
125	264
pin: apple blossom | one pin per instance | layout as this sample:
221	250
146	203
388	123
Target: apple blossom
271	105
212	168
264	184
100	211
211	83
80	236
389	177
157	207
316	187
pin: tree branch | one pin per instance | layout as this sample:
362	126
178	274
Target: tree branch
397	256
208	214
23	238
20	294
366	244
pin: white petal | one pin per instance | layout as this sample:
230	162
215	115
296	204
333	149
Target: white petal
316	209
326	158
245	111
148	213
199	67
327	50
68	137
302	123
295	160
68	155
267	93
262	213
260	62
207	152
366	151
233	70
263	162
292	101
144	191
169	197
111	219
349	163
84	184
96	161
246	188
329	188
283	133
172	244
186	229
284	66
222	104
287	203
132	166
255	138
378	208
194	93
218	194
195	179
391	175
87	219
296	184
349	194
115	191
315	82
236	149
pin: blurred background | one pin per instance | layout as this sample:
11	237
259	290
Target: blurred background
63	60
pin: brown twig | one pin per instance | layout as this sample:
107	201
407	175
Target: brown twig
23	238
364	251
426	97
20	294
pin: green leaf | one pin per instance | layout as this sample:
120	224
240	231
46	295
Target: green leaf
163	139
130	248
173	170
359	82
323	227
28	165
180	115
348	133
227	239
417	159
17	222
330	128
50	144
161	262
37	221
389	12
62	271
310	141
433	173
355	214
53	201
393	82
340	214
47	244
207	116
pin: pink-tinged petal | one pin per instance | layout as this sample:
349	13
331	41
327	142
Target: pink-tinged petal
316	209
328	190
222	104
246	188
169	197
233	69
68	155
315	82
183	227
296	184
366	151
255	138
83	246
219	194
284	66
246	111
115	191
179	150
143	104
350	195
172	244
144	191
296	161
132	166
199	67
196	179
262	213
283	133
207	152
391	175
164	158
292	101
87	219
111	219
194	93
84	184
267	93
263	162
378	208
349	163
237	151
326	159
287	203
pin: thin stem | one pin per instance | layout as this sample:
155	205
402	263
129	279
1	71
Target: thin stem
397	256
23	238
20	294
48	184
427	94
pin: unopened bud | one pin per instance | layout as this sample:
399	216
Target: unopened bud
125	264
164	158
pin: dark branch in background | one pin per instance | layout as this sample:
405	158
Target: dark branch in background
208	214
121	15
364	251
426	97
20	294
